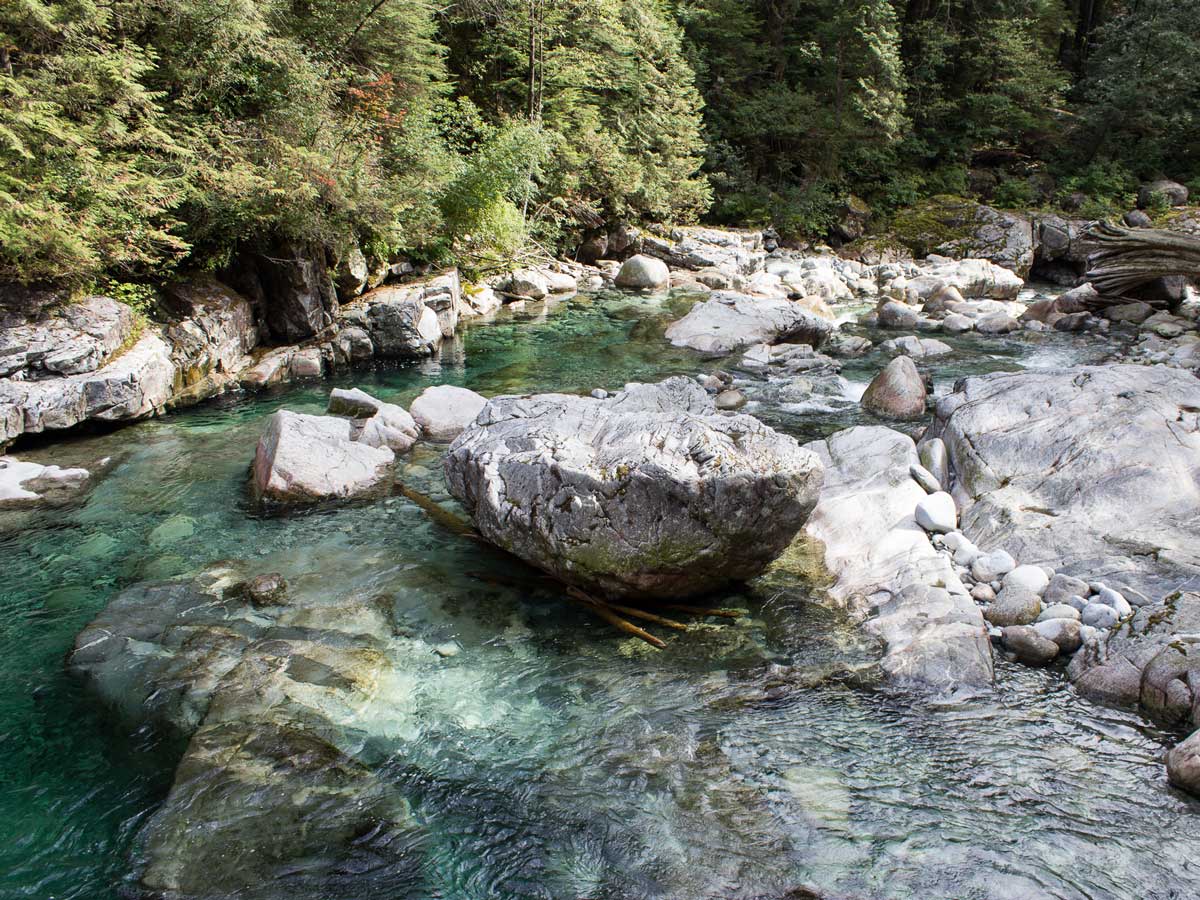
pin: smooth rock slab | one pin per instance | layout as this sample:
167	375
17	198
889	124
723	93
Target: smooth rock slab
648	493
727	321
1092	470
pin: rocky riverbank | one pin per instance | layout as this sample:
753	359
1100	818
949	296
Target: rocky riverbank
1046	515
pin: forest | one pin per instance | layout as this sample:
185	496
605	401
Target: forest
139	137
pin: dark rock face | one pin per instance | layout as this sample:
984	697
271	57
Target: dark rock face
648	493
1062	250
212	332
297	290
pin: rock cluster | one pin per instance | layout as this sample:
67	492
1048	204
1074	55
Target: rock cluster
1034	612
348	454
650	492
887	571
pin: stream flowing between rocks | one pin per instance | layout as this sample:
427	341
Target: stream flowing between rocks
540	753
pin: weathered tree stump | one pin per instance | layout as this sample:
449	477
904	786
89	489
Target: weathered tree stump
1127	258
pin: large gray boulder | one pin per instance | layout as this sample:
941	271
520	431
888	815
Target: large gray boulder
1091	470
886	571
727	321
1174	193
648	493
312	459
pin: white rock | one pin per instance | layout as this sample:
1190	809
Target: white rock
443	411
936	513
1029	578
643	273
1115	599
922	476
991	566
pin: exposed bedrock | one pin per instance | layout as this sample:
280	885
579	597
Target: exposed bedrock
647	493
728	321
1095	471
887	573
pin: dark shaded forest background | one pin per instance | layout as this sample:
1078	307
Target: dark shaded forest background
140	136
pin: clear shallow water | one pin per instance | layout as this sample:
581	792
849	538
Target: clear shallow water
549	757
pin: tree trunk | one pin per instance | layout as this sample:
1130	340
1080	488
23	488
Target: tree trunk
1126	258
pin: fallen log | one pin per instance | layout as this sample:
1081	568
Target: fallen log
1127	258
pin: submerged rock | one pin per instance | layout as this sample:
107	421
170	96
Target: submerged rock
727	321
24	483
311	459
647	493
269	800
887	571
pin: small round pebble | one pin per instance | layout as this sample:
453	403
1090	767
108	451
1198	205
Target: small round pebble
1059	611
983	593
1028	578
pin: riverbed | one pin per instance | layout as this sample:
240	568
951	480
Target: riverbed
543	755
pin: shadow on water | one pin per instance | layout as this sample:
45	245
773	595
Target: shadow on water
547	756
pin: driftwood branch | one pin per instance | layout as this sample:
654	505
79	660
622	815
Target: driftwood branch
1126	258
612	613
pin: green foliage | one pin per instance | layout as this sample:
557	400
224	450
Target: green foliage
1140	101
140	135
141	298
1013	193
486	207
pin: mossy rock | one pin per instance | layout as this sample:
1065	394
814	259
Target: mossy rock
961	228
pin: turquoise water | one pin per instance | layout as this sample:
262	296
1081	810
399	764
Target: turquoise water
550	757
